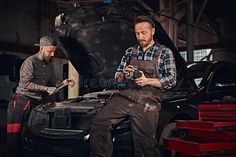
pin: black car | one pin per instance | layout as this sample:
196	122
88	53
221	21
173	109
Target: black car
94	39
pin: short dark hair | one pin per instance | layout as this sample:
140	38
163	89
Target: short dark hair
46	41
144	18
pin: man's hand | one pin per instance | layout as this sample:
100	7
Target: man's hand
119	76
141	81
127	70
69	82
52	90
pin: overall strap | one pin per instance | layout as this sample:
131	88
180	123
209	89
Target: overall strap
158	52
134	56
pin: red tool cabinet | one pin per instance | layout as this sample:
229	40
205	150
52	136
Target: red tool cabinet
212	135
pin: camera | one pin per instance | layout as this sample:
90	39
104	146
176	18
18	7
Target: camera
134	74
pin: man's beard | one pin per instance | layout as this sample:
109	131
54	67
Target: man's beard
144	43
48	60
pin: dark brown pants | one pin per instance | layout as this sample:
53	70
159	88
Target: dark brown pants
143	117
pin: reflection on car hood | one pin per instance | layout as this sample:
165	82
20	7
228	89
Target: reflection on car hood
104	94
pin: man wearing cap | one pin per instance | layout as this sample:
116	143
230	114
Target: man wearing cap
36	78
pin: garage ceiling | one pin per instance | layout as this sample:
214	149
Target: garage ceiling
23	22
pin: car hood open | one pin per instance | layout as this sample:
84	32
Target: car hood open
94	38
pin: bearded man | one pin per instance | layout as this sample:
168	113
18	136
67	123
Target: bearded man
37	77
149	69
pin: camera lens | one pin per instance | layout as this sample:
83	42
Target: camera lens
134	74
137	74
131	75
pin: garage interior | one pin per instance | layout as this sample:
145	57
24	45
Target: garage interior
200	30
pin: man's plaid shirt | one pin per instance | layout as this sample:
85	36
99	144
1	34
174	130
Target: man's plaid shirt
166	63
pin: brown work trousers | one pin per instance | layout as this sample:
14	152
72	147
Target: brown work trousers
143	110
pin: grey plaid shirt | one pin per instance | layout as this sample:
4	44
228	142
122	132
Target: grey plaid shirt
166	63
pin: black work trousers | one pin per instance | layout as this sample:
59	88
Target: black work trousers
18	112
143	116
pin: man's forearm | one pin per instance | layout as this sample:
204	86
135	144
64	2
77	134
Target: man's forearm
153	82
37	87
41	88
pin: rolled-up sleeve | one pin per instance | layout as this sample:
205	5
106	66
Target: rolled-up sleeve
168	68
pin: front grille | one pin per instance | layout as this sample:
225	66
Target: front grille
59	147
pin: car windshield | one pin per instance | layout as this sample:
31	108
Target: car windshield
197	71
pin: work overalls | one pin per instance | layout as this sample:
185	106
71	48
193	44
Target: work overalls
141	104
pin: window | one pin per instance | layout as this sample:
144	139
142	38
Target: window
198	55
198	70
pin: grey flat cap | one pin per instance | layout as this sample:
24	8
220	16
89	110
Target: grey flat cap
46	41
